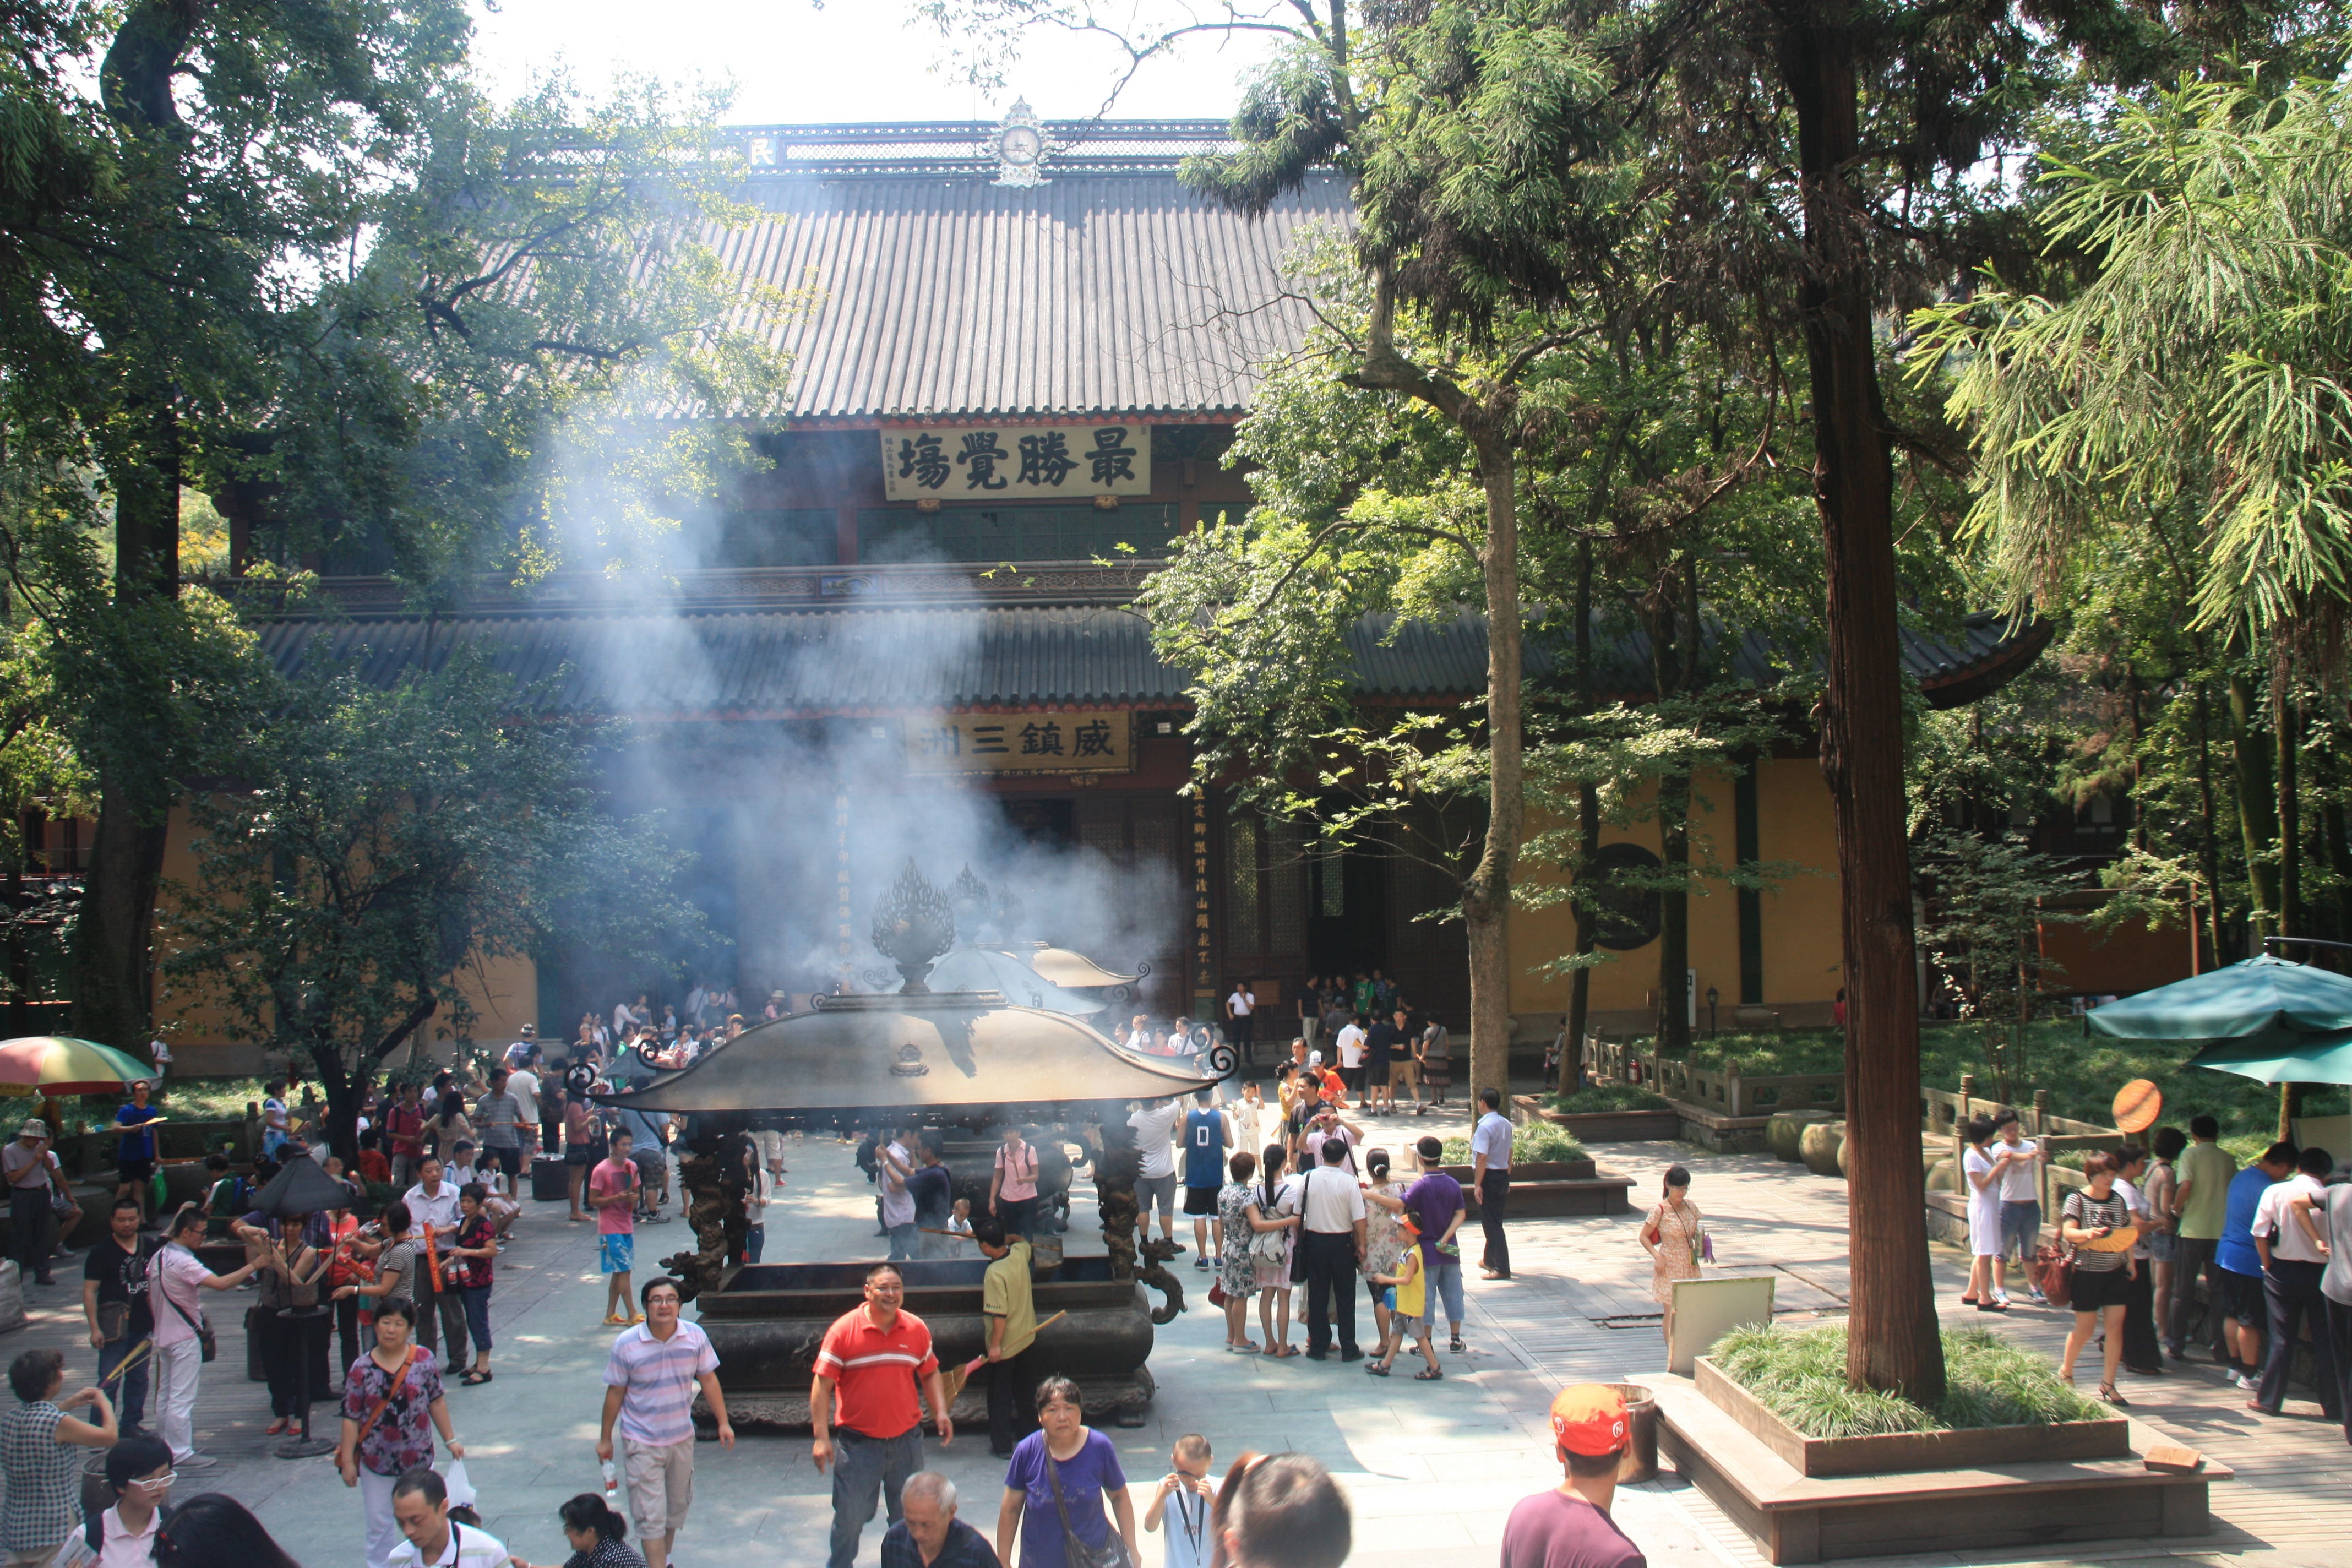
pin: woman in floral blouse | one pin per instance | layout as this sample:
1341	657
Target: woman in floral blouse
1237	1267
389	1396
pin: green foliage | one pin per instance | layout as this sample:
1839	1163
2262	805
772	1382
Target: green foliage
1530	1142
2219	308
1990	901
387	842
2080	1071
1603	1097
1990	1381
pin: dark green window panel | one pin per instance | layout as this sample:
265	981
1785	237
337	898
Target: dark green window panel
980	533
786	536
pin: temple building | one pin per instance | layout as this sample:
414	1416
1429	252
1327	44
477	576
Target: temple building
914	637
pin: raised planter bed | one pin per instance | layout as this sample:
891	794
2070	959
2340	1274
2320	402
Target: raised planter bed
1618	1126
2017	1504
1548	1188
1895	1452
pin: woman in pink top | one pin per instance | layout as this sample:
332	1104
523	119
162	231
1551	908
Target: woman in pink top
1013	1189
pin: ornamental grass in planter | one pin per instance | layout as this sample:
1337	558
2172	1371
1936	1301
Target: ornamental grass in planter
2002	1405
1602	1099
1535	1143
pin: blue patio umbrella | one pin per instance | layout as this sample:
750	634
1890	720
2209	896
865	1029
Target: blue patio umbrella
2266	1019
2310	1059
2261	1005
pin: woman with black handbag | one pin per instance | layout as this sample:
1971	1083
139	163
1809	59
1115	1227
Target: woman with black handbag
1055	1488
2096	1223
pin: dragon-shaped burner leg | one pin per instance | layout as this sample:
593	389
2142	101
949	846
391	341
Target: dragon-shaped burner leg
1116	1166
711	1179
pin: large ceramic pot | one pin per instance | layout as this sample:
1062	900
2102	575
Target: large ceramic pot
1821	1145
1786	1132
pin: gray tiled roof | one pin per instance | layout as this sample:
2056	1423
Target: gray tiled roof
950	295
782	663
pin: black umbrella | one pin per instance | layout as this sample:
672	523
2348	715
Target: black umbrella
303	1187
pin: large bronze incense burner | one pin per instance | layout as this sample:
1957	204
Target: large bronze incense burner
964	1062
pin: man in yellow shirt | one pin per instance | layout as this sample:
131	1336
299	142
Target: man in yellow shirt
1010	1311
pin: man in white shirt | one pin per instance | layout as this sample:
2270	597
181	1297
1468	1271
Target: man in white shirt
523	1084
1351	1043
1490	1178
420	1505
1328	1126
1241	1022
2293	1265
432	1206
2018	1159
1155	1139
160	1053
1331	1233
895	1162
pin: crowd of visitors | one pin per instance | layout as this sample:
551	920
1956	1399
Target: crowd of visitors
1291	1199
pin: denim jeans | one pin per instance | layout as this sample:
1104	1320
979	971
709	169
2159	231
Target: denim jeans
131	1398
902	1241
863	1466
2020	1228
1445	1281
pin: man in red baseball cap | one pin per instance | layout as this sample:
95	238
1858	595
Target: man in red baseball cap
1570	1527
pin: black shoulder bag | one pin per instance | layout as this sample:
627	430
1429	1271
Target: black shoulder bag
202	1325
1076	1553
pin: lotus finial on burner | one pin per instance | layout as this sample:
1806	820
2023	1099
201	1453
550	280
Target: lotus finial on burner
913	924
968	894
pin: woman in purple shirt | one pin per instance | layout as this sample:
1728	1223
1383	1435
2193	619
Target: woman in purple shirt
1060	1475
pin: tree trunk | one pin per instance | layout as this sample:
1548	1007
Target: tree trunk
2257	811
1892	1337
2286	732
112	963
1487	897
1588	837
1674	915
2209	847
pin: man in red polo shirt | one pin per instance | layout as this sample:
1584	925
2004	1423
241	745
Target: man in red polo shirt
862	1407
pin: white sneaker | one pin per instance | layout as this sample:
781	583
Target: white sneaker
2248	1383
196	1462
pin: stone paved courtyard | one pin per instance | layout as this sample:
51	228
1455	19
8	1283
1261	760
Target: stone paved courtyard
1433	1470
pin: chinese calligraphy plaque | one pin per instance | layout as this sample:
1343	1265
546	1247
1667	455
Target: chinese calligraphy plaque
1021	743
1070	461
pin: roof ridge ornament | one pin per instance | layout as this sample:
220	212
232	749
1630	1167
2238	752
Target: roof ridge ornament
1019	147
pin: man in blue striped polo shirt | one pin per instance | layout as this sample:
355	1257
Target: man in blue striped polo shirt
649	1388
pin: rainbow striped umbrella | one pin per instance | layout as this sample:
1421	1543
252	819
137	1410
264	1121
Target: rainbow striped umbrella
59	1064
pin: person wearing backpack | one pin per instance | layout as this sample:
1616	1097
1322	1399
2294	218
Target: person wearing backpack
138	1473
226	1200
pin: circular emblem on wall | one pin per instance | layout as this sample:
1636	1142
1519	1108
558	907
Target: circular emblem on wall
1631	915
